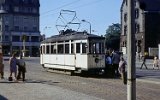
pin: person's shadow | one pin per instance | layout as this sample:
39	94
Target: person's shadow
3	98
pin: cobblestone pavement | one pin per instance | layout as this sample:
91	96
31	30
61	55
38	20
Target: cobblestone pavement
38	91
42	85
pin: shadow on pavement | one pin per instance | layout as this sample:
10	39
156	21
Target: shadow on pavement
3	98
50	82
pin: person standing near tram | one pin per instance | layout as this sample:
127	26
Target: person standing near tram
108	65
13	66
115	62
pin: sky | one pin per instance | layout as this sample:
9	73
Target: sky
98	14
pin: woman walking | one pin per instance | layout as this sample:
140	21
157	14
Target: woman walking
13	65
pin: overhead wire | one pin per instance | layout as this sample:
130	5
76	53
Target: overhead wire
61	6
87	4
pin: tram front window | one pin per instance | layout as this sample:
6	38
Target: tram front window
95	48
83	47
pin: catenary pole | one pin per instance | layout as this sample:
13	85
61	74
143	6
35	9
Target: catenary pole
131	77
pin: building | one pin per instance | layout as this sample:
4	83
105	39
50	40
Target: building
147	25
18	19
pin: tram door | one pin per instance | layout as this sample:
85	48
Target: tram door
81	56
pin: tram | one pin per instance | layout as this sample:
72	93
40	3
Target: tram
73	51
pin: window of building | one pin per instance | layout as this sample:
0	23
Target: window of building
16	9
16	28
25	28
125	30
136	13
126	2
137	28
6	28
26	39
34	28
6	7
35	38
34	10
0	28
6	38
125	17
15	38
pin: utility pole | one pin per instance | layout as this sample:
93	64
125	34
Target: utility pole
131	76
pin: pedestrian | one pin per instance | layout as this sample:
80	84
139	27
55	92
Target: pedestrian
21	68
122	69
2	71
13	66
144	61
115	62
155	62
108	67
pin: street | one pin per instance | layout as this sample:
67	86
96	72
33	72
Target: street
41	85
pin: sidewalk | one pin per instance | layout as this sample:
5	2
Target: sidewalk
149	75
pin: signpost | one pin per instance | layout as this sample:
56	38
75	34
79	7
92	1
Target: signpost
131	75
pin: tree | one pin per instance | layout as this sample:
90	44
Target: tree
24	40
112	36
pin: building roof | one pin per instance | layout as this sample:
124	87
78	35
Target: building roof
20	2
150	5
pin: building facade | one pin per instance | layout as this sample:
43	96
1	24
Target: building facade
147	25
18	19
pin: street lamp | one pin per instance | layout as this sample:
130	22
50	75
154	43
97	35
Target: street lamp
89	24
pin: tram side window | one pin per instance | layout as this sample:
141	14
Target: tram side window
43	49
72	48
77	47
60	48
66	48
95	48
52	49
83	47
92	48
102	47
47	49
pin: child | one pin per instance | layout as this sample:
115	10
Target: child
155	62
122	69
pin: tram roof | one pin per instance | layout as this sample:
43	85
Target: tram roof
72	36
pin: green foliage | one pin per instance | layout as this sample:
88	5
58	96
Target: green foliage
24	37
112	36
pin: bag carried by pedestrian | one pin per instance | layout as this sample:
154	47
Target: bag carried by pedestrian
10	78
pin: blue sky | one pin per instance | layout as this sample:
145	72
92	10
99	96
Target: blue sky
100	13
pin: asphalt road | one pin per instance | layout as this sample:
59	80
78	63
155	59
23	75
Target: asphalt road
42	85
